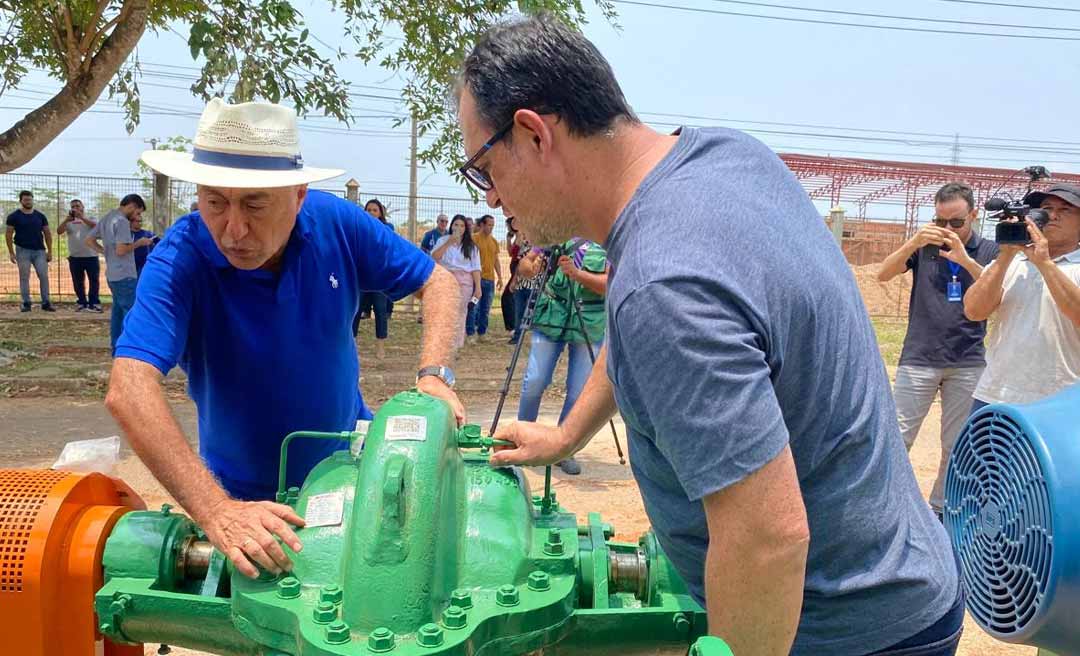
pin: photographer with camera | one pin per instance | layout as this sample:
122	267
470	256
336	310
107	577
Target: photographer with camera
943	350
1033	293
82	260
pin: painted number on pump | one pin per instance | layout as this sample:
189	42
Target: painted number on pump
325	509
406	427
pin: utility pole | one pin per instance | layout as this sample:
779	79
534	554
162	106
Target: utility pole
159	209
412	180
956	150
412	192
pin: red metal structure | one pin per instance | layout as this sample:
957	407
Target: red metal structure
863	182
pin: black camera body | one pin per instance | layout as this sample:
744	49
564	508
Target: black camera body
1011	227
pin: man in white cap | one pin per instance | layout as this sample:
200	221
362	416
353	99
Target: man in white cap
253	296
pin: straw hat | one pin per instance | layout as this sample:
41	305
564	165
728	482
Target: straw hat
250	145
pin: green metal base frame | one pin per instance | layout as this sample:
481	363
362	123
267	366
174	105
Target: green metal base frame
414	545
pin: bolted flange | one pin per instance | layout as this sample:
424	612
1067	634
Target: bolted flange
454	618
507	595
338	633
430	635
380	640
461	598
288	587
292	495
539	581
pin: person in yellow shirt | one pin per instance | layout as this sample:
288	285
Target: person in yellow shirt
491	278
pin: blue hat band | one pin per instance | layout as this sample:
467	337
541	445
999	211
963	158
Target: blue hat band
257	162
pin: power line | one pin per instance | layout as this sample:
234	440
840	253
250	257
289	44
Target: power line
894	17
813	21
1011	5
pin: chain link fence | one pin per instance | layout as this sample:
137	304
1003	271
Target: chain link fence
866	242
53	195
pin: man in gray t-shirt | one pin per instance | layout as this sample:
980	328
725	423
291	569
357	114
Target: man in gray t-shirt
82	259
114	232
762	432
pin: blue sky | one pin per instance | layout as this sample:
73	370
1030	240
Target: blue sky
770	77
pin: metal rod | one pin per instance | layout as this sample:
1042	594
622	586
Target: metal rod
592	358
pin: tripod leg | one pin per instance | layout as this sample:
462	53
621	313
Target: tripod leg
592	357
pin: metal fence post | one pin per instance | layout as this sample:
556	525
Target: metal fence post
161	202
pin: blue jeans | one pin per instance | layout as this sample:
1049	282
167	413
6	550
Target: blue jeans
543	356
521	302
477	319
38	259
940	639
123	298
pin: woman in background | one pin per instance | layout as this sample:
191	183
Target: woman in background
459	255
375	302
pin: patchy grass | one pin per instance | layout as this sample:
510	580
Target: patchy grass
890	336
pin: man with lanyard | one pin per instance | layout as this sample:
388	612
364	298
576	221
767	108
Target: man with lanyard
572	299
253	296
943	349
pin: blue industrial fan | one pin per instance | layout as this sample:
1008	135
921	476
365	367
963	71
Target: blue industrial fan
1012	509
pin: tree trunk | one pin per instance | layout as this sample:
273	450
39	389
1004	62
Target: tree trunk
20	143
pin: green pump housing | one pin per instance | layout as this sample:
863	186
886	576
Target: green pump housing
414	545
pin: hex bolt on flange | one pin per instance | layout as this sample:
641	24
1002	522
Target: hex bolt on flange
338	633
539	581
380	640
288	587
430	635
461	598
507	595
454	618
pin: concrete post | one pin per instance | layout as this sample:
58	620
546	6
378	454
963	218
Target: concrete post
352	191
836	218
162	211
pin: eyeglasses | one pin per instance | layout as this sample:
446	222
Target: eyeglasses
954	223
477	178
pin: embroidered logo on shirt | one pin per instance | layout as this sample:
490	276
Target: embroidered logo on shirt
333	281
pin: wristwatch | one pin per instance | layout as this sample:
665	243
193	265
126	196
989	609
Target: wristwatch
445	374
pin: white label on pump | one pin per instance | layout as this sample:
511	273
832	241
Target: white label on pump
406	427
325	509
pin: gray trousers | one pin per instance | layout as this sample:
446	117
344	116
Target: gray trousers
27	258
915	390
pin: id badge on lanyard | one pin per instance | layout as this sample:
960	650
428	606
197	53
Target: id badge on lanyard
953	291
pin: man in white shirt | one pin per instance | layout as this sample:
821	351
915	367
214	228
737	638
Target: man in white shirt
1032	295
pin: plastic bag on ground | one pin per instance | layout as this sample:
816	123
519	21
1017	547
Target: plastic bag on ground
84	456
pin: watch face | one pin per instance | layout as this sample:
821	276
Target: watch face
448	376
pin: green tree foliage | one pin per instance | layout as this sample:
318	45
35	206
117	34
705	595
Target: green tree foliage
247	49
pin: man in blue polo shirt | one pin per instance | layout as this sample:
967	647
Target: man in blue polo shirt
253	296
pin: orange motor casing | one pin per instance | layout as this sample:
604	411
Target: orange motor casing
53	527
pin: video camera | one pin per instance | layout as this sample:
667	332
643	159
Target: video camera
1010	214
1003	209
1014	232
